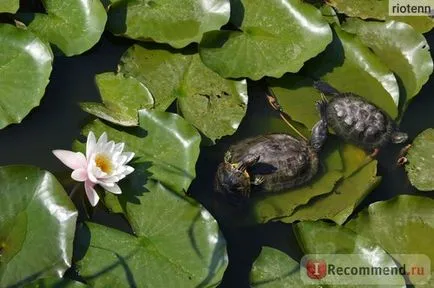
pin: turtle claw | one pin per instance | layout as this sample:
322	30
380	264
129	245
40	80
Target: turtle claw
258	180
374	153
402	160
228	156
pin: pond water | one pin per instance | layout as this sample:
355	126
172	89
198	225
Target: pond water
57	121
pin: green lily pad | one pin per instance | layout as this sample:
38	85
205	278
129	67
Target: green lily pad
9	6
37	226
122	97
421	24
274	39
274	268
349	66
402	225
377	9
56	283
177	23
420	167
325	238
400	47
213	104
25	67
74	26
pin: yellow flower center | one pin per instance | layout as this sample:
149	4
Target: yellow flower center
103	162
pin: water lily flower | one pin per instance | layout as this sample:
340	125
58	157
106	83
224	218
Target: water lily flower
104	165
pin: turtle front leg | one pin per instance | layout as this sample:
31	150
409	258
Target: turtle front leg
402	159
257	180
228	156
248	161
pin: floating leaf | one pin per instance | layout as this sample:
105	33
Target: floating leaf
400	47
37	225
74	26
122	97
377	9
274	268
325	238
177	23
25	67
9	6
213	104
421	24
56	283
420	169
349	66
274	39
402	225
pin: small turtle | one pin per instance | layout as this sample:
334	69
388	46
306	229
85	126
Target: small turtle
270	163
358	121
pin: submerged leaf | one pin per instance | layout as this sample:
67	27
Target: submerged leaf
213	104
37	226
175	22
420	169
122	97
400	47
25	67
74	26
349	66
273	39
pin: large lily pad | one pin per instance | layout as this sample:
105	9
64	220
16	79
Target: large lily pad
400	47
56	283
274	39
349	66
325	238
122	97
402	225
25	67
177	23
176	242
274	268
213	104
74	26
9	6
420	169
37	225
377	9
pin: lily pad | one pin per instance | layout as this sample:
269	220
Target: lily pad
349	66
420	167
377	9
177	23
74	26
25	67
9	6
122	97
400	47
274	268
325	238
213	104
402	225
56	283
37	226
273	39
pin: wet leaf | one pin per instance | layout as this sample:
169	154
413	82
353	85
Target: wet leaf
213	104
400	47
421	161
74	26
37	226
325	238
377	9
56	283
177	23
421	24
402	225
122	97
25	67
349	66
9	6
274	268
273	39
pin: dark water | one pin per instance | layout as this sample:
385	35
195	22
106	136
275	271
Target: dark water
57	121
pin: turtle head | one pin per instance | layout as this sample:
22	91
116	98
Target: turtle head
319	131
233	181
399	137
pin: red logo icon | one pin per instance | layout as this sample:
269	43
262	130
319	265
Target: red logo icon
316	269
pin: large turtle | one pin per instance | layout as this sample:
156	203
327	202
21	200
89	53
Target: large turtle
270	163
358	121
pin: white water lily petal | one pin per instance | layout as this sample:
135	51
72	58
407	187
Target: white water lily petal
74	160
115	189
90	144
79	175
91	193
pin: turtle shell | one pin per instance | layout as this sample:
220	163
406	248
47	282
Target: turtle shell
284	162
358	121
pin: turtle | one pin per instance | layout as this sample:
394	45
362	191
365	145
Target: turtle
358	121
270	163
